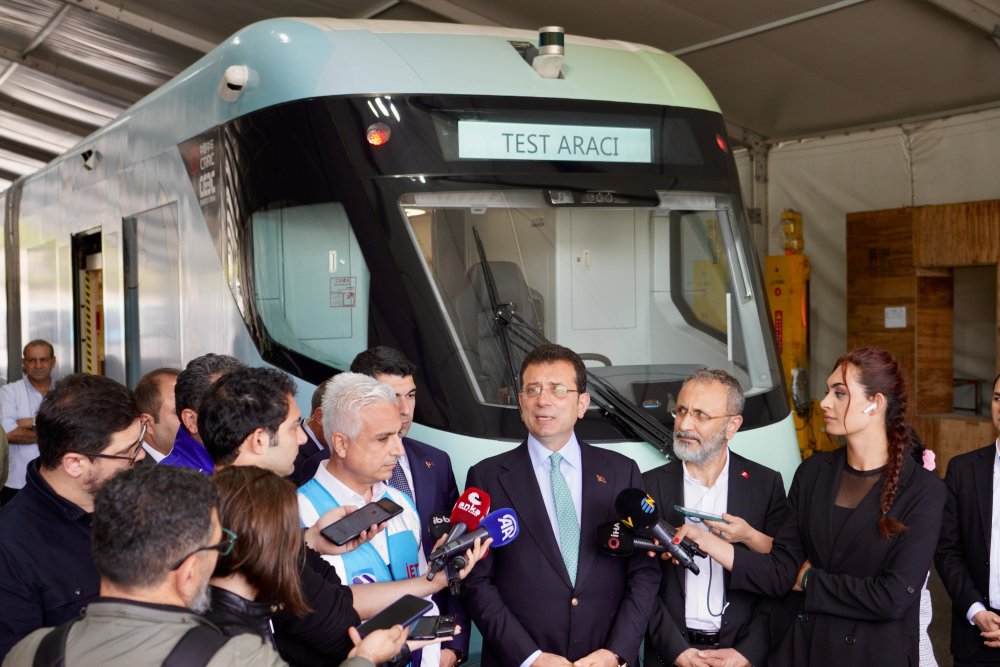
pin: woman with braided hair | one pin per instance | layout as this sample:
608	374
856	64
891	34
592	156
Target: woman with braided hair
848	565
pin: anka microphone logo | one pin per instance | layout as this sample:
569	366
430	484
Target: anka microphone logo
473	506
648	505
508	526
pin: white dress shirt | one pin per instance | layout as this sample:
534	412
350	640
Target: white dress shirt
19	400
704	603
571	468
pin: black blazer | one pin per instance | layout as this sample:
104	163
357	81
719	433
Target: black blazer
861	605
520	596
963	553
756	494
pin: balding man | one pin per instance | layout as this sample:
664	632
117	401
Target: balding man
696	620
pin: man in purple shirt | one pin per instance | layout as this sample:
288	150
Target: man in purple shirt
192	384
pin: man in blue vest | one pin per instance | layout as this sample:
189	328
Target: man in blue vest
362	424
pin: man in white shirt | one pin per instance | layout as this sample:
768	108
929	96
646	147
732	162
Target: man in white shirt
696	621
155	395
968	553
19	403
362	424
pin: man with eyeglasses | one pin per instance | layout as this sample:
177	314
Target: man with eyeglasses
89	430
549	598
696	620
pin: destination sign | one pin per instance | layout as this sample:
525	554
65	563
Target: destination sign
529	141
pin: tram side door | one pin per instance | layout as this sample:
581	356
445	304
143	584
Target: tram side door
152	292
88	302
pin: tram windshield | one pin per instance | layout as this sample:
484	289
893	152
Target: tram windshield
645	292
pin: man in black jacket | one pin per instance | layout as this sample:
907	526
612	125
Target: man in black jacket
696	617
968	553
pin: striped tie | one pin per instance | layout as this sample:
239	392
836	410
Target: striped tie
569	527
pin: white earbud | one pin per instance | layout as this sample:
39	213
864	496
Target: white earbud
871	407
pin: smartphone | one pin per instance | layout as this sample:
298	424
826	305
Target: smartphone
343	531
698	514
405	611
433	627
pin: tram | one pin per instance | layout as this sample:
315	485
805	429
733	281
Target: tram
313	187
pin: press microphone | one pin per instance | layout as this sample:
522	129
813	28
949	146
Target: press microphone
501	525
638	510
469	510
439	525
616	539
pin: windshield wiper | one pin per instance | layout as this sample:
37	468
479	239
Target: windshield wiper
615	406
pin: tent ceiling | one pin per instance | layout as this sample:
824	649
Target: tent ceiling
779	68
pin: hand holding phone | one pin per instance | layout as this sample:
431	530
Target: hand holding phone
343	531
698	514
405	611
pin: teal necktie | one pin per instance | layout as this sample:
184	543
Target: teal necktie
569	527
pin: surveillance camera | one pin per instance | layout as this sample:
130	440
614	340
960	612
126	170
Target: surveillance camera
551	49
234	80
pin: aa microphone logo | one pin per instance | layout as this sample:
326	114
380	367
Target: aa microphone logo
508	527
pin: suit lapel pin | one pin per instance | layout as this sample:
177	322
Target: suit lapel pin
601	479
744	474
429	464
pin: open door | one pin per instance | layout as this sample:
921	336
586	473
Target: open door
88	302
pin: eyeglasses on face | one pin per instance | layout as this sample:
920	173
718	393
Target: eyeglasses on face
554	390
225	547
134	449
680	412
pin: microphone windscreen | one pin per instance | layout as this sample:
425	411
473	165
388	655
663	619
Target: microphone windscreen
502	526
615	539
637	508
440	525
470	508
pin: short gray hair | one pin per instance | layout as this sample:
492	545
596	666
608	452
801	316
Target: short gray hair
735	391
346	395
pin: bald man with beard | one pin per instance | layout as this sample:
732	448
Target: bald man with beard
696	620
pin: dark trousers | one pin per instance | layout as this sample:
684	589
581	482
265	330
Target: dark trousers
7	494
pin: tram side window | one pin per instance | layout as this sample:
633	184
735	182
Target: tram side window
702	279
311	285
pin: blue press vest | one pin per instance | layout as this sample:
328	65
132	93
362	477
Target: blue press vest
364	565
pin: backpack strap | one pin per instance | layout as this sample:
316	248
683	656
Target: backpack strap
197	647
52	649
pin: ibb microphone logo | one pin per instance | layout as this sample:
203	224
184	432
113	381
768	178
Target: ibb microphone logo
439	520
613	541
508	527
648	505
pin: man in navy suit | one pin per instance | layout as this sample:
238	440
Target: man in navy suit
423	472
549	598
968	556
696	618
315	450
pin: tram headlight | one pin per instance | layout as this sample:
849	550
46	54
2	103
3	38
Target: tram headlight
378	134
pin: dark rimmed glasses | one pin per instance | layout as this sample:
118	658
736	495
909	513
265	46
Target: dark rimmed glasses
135	449
225	547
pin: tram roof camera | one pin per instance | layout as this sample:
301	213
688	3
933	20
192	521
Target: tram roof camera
234	80
551	51
90	158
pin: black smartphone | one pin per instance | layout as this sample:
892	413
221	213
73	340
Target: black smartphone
343	531
404	611
433	627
